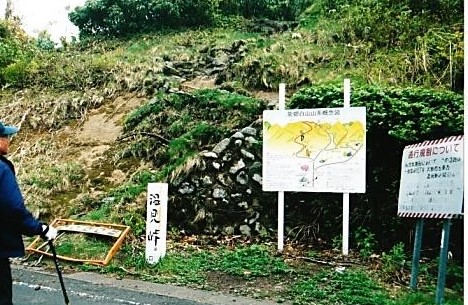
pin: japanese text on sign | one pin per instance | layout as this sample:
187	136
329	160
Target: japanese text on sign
315	150
156	221
431	183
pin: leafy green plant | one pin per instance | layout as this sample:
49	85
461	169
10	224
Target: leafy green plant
365	241
455	276
191	265
337	242
394	261
277	9
136	221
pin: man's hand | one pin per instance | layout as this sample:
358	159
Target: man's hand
48	232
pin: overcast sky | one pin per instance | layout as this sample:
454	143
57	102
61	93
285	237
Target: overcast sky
50	15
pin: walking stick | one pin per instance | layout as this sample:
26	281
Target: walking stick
59	273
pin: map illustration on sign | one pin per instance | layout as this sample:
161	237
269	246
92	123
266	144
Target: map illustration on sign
314	150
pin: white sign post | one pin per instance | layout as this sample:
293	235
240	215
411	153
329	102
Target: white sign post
281	106
345	242
156	222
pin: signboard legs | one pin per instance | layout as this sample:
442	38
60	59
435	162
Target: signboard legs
416	253
345	223
443	257
443	262
345	243
281	106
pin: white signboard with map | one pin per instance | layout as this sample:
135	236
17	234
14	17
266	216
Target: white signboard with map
315	150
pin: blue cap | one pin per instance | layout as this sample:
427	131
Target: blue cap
6	130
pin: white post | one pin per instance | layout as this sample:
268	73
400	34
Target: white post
156	222
347	98
465	143
281	106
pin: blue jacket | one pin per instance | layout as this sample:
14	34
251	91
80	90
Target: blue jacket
15	219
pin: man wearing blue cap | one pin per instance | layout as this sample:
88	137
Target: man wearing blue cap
15	219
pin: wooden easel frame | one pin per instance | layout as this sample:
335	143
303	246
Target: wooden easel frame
69	225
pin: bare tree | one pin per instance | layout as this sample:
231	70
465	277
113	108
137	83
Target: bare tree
9	10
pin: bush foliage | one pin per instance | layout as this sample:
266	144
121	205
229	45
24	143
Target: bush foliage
396	117
117	18
184	121
16	53
124	17
276	9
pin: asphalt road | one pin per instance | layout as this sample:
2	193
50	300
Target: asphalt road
34	286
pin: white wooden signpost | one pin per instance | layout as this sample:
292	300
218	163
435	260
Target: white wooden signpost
156	222
431	186
314	150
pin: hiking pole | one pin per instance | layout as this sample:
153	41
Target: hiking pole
59	273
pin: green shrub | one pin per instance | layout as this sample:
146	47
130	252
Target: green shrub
365	242
394	261
396	117
276	9
16	73
124	17
16	51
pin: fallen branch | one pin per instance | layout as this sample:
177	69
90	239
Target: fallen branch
323	262
149	134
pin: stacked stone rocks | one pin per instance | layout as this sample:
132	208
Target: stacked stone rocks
223	193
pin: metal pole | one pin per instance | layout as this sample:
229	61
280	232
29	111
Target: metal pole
59	273
444	242
416	253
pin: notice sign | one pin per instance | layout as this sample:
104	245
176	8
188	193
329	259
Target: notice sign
315	150
156	222
431	184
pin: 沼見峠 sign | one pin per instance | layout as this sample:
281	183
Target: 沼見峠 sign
431	184
156	222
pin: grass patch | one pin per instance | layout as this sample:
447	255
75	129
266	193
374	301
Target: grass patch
54	178
250	261
83	246
350	287
190	265
428	298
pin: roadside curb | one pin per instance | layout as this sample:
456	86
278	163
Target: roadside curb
172	291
